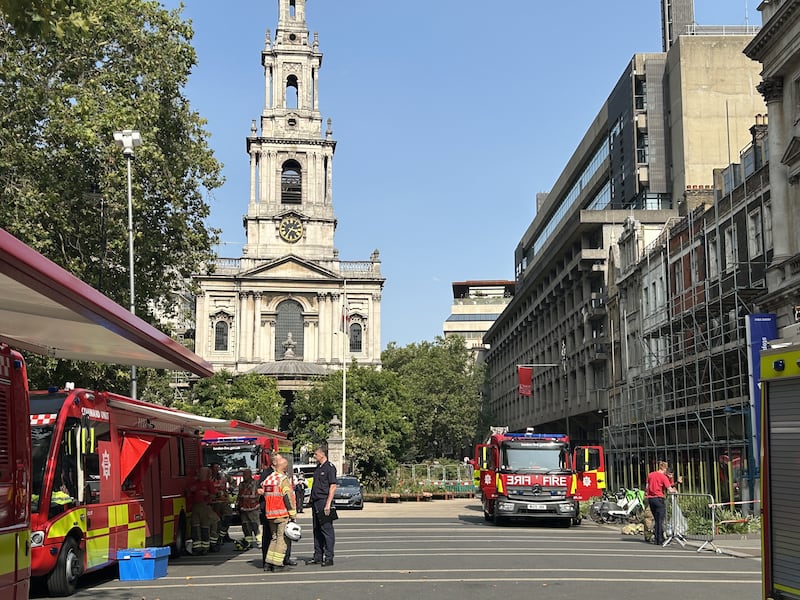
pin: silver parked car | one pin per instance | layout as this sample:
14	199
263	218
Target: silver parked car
349	493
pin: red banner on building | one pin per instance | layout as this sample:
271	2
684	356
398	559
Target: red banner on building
525	377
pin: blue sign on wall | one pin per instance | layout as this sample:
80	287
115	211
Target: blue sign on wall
761	329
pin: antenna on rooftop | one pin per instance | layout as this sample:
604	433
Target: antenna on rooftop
746	14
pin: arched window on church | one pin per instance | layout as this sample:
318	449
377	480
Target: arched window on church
221	336
292	91
289	320
355	337
292	9
291	183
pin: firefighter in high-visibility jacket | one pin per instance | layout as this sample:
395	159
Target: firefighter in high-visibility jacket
247	503
222	502
279	508
204	519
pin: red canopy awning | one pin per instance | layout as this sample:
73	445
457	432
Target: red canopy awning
46	310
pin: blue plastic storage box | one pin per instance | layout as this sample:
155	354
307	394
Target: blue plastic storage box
136	564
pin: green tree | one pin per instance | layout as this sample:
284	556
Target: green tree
443	383
71	73
63	181
377	429
245	397
44	17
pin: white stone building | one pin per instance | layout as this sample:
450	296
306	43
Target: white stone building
289	307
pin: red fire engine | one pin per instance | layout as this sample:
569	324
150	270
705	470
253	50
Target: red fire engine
533	475
15	487
236	453
109	473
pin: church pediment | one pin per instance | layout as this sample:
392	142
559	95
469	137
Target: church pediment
290	267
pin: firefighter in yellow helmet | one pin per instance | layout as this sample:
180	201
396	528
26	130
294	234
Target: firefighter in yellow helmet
279	508
222	503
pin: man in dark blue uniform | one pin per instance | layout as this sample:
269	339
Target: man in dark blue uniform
323	513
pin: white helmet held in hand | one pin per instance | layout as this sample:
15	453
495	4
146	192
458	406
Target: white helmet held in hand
293	531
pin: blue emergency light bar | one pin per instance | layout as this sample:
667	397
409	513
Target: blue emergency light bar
536	436
232	440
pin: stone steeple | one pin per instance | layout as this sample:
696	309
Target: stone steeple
290	210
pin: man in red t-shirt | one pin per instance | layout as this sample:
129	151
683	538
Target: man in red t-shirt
657	485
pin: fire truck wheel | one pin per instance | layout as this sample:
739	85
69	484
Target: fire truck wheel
177	549
64	578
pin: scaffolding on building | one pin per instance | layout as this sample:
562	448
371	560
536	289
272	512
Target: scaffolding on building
688	401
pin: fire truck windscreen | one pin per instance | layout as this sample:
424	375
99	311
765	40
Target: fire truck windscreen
232	458
41	440
521	457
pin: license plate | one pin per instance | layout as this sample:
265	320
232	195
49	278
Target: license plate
340	501
537	506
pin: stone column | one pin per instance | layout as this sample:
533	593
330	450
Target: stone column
253	160
270	350
265	163
240	321
336	445
772	90
257	354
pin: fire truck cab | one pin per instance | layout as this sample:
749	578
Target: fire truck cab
532	475
238	452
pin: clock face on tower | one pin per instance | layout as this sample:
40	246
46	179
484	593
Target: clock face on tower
291	229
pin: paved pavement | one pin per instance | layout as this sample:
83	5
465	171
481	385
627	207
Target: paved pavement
444	549
743	546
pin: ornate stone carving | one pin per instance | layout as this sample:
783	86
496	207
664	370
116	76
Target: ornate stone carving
289	346
772	89
292	68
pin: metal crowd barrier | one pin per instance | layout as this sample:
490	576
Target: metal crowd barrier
691	517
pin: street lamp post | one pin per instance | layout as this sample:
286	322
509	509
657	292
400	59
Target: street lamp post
129	139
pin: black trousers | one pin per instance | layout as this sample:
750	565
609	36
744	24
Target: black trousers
659	509
324	537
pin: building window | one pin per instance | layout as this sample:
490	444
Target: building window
291	183
754	236
221	336
678	271
292	94
768	225
730	248
355	337
289	320
713	265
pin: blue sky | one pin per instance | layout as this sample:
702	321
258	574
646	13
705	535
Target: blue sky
449	117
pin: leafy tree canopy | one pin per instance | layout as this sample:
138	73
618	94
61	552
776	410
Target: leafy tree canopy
443	383
424	403
377	430
247	397
71	73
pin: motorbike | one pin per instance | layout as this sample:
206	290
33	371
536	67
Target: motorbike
625	506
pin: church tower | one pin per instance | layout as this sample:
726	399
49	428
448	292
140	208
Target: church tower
290	209
289	307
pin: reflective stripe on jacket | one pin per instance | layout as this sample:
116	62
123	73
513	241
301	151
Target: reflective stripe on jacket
248	495
276	486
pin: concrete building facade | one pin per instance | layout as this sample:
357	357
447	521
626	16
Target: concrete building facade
476	305
289	307
671	118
